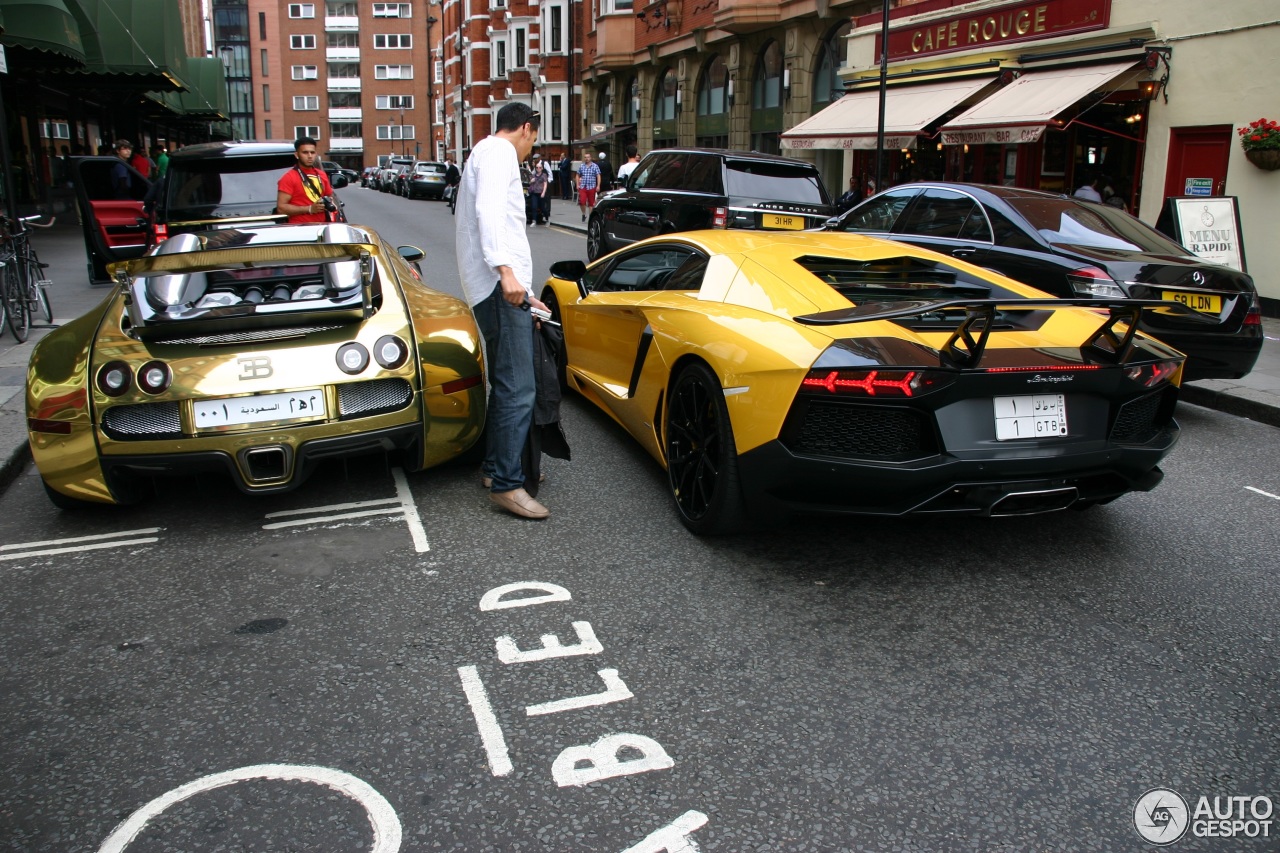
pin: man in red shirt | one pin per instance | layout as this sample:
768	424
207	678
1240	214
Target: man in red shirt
303	191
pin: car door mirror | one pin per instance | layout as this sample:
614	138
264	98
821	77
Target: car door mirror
831	224
412	254
574	271
339	181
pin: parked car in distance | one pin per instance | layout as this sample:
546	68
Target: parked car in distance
368	176
427	180
215	184
686	189
331	168
351	354
1073	248
391	174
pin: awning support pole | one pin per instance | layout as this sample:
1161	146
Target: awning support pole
884	86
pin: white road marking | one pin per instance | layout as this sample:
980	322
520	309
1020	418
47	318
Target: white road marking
492	600
588	644
411	517
382	817
76	544
495	745
603	761
402	504
615	691
674	837
1264	494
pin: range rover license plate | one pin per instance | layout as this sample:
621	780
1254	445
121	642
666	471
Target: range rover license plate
306	405
785	221
1031	416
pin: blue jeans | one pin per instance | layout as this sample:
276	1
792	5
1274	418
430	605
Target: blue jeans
508	339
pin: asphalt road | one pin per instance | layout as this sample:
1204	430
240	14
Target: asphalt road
264	674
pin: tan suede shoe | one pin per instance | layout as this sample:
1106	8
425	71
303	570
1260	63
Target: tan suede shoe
521	503
487	482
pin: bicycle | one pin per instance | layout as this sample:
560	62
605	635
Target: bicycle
25	290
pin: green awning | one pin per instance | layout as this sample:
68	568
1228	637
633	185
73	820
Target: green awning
46	25
139	41
207	98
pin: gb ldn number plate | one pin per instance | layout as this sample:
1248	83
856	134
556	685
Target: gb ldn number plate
1030	416
259	409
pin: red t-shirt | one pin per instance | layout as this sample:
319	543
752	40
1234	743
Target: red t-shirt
291	183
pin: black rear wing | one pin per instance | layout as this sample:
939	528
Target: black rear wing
1109	343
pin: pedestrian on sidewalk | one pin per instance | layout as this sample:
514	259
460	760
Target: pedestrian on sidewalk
496	267
625	170
539	189
566	178
588	183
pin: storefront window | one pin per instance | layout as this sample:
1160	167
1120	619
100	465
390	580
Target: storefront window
827	85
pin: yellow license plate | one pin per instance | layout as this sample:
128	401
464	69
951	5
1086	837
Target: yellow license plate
1206	303
786	221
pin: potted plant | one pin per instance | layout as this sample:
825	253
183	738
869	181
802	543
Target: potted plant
1261	143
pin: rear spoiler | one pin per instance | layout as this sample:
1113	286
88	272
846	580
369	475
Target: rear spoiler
965	346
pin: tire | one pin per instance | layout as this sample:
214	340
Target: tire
15	299
702	459
65	502
595	239
553	305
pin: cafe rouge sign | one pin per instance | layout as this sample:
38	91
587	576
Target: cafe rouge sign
1000	25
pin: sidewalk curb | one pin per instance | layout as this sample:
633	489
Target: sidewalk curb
1231	404
13	466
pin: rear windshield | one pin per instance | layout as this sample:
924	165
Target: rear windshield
1072	223
773	181
224	186
437	168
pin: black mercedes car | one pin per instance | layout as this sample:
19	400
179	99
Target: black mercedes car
1074	248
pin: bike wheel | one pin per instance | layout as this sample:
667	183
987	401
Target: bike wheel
15	299
35	273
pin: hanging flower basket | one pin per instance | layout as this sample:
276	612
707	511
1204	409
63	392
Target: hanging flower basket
1261	143
1264	158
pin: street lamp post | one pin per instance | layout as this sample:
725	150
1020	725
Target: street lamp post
228	56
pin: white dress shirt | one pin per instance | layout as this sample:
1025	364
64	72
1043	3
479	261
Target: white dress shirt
491	224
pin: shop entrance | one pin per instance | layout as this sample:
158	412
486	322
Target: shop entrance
1197	153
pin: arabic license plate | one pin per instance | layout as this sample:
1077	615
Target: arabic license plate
785	221
1030	416
1205	303
307	405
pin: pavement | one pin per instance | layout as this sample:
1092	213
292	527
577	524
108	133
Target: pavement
1256	396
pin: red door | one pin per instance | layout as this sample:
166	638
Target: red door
1198	152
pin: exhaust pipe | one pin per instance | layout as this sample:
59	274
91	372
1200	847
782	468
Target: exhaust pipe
1036	502
265	464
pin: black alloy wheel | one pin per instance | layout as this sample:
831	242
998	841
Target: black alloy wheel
15	299
595	239
702	460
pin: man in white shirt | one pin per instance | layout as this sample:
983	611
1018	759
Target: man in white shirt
633	160
496	267
1092	190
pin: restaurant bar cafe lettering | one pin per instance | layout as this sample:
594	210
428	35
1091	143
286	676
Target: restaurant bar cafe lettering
1016	22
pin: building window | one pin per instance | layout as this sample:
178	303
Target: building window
344	129
344	100
712	88
395	131
266	98
631	102
766	88
392	10
393	41
262	26
304	72
342	39
437	68
340	10
302	10
307	42
55	130
498	4
393	72
394	102
499	56
827	85
304	102
557	118
266	128
301	130
263	54
617	6
604	106
664	103
555	21
522	41
347	70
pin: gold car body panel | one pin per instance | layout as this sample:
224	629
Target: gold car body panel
732	325
444	371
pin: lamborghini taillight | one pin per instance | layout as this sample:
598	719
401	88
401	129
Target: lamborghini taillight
1153	374
874	383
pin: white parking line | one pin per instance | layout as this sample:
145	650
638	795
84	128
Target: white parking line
402	504
79	543
495	745
1264	494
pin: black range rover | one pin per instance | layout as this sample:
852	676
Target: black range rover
687	189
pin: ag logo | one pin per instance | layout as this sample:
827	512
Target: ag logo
254	367
1161	816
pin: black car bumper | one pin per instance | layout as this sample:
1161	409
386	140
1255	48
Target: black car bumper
1214	355
1016	482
